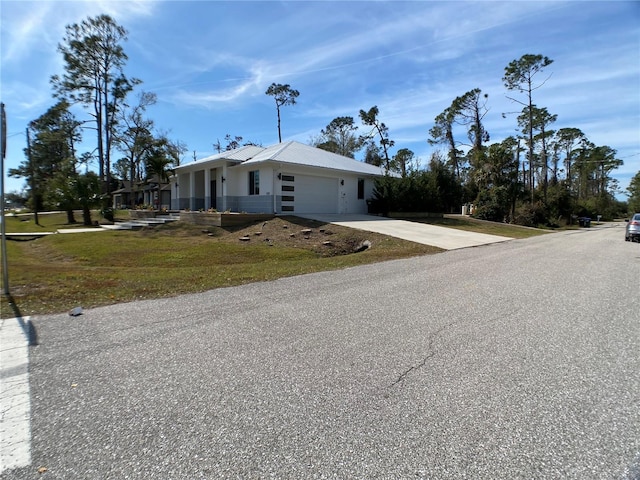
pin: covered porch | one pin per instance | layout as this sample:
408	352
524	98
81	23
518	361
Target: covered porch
200	188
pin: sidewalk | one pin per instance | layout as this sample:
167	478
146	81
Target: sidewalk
15	401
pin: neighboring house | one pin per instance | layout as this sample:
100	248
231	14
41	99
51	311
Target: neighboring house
122	196
156	193
285	178
151	192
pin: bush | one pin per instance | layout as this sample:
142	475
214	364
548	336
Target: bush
424	191
606	207
531	215
107	213
559	203
493	204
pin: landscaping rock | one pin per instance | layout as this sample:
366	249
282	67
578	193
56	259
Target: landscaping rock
363	246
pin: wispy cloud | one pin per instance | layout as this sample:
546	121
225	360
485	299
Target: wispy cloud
122	9
25	31
31	33
213	98
343	53
40	25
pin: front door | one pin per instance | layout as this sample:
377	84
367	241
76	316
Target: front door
343	202
214	194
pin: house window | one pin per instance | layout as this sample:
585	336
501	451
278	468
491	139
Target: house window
361	189
288	188
288	198
288	178
254	182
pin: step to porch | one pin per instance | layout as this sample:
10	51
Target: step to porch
138	223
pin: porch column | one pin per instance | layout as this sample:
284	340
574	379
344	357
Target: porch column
192	190
276	189
207	188
223	189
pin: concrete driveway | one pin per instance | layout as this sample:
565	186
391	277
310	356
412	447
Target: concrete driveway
442	237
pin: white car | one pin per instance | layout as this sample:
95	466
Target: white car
632	232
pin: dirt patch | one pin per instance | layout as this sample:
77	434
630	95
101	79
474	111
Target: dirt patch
325	239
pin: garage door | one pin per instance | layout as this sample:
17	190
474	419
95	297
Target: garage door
307	194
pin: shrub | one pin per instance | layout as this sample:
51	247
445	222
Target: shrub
531	214
493	204
421	191
107	213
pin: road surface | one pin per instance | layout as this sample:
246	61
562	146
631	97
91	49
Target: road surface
517	360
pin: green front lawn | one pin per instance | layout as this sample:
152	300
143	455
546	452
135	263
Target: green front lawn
58	272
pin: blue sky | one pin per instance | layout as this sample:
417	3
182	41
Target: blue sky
210	63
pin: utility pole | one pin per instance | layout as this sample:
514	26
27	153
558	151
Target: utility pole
3	232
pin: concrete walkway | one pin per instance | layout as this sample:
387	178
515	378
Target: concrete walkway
131	225
442	237
15	400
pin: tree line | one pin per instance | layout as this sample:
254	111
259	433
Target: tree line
540	176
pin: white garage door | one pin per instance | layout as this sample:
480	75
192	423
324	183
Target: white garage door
307	194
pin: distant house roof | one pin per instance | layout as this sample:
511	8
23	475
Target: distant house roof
125	187
300	154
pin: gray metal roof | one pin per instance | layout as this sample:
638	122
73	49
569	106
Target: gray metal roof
237	155
294	153
300	154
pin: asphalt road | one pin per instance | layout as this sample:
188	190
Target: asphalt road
517	360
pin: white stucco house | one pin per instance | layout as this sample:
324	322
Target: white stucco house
288	177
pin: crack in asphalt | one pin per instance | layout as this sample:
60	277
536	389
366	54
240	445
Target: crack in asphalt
434	337
424	361
410	369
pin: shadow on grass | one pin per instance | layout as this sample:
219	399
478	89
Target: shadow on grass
304	222
27	326
25	239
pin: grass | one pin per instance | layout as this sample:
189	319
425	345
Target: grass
56	273
483	226
47	222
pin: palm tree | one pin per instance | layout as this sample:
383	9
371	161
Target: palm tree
159	163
